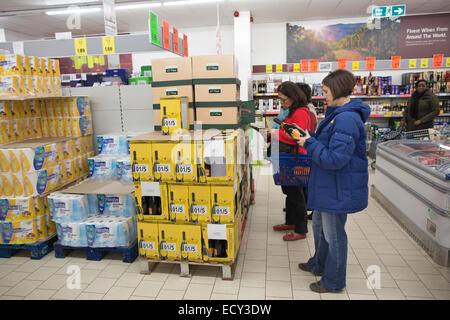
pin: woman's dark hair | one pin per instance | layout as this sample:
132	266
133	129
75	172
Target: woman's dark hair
419	81
341	83
292	91
306	90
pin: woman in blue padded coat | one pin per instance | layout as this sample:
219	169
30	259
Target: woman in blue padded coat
338	182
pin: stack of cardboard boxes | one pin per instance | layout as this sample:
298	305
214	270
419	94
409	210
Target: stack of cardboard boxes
25	76
188	189
202	89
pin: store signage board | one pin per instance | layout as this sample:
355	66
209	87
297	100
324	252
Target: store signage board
176	48
342	63
80	46
153	25
412	63
438	60
108	45
424	63
395	62
389	11
109	15
166	35
185	45
370	63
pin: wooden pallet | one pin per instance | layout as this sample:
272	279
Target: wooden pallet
228	269
129	253
38	249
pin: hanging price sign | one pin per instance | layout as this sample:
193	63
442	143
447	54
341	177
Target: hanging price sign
314	65
412	63
395	62
370	63
269	68
80	46
108	45
438	60
342	63
304	65
166	35
279	68
424	63
297	67
355	65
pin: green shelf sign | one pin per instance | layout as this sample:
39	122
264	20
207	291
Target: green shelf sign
389	11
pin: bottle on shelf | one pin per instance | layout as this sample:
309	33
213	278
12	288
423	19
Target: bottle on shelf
162	247
178	174
156	174
213	210
194	215
142	251
184	253
164	127
136	175
173	215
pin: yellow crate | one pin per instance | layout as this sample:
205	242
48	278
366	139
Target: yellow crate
224	201
163	167
178	203
151	208
191	242
141	160
174	114
220	242
200	203
148	240
169	243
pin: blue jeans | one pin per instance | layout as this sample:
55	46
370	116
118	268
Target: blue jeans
330	241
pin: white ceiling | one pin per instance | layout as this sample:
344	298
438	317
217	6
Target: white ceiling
38	25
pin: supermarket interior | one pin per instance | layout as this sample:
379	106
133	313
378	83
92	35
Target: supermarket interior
224	150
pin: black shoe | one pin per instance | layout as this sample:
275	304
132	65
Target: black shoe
310	216
319	288
304	267
284	209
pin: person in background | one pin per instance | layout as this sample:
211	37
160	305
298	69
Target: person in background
422	108
281	116
294	100
338	182
313	115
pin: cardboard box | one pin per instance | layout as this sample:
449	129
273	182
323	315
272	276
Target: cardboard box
191	242
148	240
215	66
178	203
171	69
172	90
200	203
222	117
141	160
151	201
220	242
224	201
169	242
217	91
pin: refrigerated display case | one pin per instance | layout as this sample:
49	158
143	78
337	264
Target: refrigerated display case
412	181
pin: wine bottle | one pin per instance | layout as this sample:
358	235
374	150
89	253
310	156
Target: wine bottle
173	215
164	127
194	215
162	248
216	217
178	174
290	129
184	253
142	251
136	175
201	172
155	168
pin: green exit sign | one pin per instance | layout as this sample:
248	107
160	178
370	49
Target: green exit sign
389	11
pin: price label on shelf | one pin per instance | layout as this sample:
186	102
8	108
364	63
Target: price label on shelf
447	63
355	65
438	60
304	65
342	63
370	63
297	67
279	68
395	62
424	63
412	63
108	45
269	68
314	65
80	46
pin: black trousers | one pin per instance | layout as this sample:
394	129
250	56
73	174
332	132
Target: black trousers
296	208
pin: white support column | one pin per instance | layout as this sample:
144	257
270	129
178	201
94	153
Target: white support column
243	53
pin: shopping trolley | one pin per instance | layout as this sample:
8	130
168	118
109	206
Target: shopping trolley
424	134
387	136
291	169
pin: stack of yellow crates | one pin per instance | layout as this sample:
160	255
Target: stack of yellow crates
26	76
188	193
33	165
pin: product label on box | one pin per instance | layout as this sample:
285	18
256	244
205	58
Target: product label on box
177	208
215	113
141	82
212	66
214	90
189	248
217	232
185	168
199	209
171	69
141	168
165	246
171	92
148	73
150	189
148	245
172	122
223	211
163	168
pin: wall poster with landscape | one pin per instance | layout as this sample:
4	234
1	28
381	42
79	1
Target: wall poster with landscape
355	41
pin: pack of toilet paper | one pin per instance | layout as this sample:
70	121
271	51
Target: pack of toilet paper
72	234
112	144
103	167
18	232
15	209
123	166
65	207
110	231
39	182
108	204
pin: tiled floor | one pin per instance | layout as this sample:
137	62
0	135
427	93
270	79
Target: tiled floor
266	267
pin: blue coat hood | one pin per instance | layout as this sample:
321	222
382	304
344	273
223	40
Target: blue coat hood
339	175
